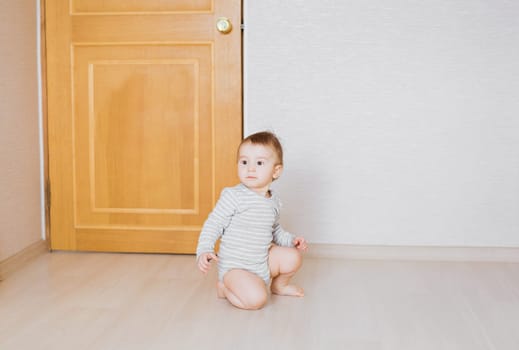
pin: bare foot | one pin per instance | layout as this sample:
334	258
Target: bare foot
290	290
220	290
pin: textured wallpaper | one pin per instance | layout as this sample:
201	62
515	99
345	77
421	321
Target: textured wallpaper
400	119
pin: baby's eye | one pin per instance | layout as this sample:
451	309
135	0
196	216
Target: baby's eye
243	162
260	162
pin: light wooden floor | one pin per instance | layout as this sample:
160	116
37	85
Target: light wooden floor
130	301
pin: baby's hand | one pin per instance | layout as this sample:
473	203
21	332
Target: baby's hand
300	243
204	261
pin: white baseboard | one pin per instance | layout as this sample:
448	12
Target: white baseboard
18	260
413	253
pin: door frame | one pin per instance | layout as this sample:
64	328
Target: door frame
44	121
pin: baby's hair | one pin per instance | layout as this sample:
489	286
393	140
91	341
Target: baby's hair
266	138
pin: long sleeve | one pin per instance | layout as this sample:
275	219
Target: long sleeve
282	237
217	222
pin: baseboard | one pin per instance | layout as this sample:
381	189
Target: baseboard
337	251
413	253
18	260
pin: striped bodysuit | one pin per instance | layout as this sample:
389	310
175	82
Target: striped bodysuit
247	224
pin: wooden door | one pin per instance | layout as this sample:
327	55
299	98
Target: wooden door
144	117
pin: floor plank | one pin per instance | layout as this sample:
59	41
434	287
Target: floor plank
137	301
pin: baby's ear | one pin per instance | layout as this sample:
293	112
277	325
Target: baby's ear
278	169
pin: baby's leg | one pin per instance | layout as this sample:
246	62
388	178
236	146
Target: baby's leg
284	263
243	289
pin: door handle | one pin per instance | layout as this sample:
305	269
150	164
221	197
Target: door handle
223	25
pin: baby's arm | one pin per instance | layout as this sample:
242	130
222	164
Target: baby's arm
286	239
213	228
282	237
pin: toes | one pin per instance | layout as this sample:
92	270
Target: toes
289	290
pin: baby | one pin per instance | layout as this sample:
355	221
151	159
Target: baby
253	247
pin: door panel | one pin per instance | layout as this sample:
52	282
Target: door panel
144	117
126	6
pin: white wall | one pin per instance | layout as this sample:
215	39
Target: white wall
20	208
400	118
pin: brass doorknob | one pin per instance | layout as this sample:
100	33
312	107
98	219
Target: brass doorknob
223	25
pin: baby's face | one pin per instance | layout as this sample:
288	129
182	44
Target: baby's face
257	167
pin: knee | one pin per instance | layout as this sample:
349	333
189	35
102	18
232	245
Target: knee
245	290
255	300
292	260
